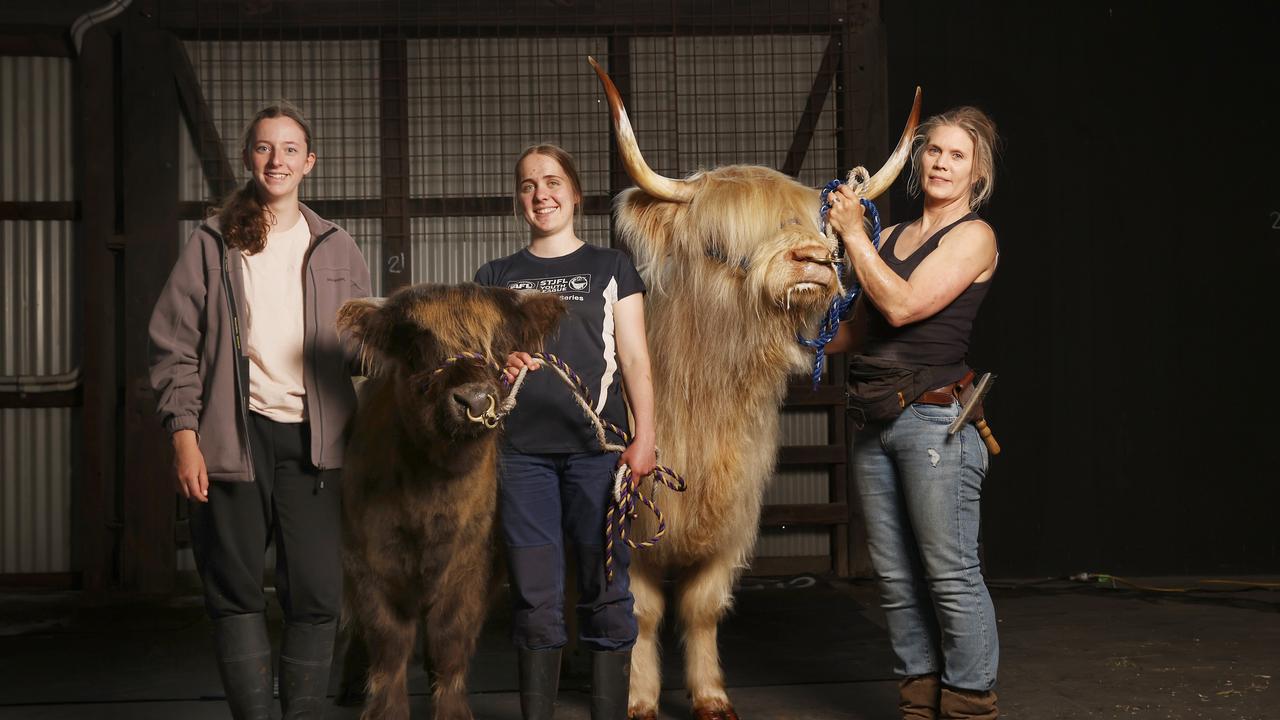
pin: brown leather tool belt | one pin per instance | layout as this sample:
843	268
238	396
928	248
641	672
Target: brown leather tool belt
949	393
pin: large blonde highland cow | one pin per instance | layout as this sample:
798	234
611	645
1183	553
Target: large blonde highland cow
736	266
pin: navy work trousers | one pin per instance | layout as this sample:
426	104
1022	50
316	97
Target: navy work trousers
546	500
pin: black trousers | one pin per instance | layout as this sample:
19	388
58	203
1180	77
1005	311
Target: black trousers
293	504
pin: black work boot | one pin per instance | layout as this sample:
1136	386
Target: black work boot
539	683
306	652
244	662
610	683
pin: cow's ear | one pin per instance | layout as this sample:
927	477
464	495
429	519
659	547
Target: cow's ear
366	325
538	315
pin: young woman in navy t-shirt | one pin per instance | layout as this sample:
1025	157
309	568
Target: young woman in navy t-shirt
557	482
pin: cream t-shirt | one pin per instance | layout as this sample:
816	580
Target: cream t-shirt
274	327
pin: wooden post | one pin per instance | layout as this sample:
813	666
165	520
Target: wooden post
864	141
149	200
397	251
95	482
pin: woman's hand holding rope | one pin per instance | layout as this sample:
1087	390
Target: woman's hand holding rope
640	454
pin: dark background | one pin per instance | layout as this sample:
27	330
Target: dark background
1136	207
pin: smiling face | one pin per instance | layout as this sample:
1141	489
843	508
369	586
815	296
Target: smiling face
278	157
547	196
946	164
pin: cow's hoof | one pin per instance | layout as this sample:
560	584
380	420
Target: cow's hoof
718	712
642	715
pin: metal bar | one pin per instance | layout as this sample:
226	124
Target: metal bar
813	107
55	398
620	73
509	18
396	245
199	120
804	514
39	210
493	206
35	41
811	454
805	396
42	581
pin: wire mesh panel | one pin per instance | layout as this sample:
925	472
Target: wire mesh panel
475	104
333	83
700	102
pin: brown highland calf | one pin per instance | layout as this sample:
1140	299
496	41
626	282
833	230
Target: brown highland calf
736	266
420	482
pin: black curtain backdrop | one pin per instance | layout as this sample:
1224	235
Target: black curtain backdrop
1137	205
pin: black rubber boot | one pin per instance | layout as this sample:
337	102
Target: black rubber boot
243	649
610	683
539	683
306	652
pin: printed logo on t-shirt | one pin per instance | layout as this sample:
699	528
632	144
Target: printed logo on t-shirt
566	286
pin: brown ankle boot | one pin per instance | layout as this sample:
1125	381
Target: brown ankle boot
967	705
918	697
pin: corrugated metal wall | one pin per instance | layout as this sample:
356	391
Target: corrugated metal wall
798	487
39	348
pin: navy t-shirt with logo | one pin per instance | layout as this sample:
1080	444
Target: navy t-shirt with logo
589	280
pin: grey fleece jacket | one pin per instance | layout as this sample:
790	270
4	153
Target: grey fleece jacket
198	367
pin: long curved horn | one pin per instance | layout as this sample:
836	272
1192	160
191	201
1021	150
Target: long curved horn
663	188
875	186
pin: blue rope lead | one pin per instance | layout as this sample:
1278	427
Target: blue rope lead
840	305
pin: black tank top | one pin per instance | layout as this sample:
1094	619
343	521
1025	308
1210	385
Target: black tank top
940	339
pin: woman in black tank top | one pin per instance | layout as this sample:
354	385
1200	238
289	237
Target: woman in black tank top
920	486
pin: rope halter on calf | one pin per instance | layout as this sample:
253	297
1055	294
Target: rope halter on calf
626	493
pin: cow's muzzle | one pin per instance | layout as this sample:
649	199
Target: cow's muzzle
479	405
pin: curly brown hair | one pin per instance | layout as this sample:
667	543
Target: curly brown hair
244	219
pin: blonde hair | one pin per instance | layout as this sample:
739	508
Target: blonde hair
981	129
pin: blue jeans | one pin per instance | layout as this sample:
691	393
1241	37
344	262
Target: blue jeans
545	499
920	490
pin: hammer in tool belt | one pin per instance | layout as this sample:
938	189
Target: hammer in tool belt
972	412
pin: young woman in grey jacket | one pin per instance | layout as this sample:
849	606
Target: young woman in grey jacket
255	388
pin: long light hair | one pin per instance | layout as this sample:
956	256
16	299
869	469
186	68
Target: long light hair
981	129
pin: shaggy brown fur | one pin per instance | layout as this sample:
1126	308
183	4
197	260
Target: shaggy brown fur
420	482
